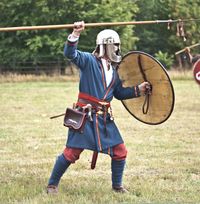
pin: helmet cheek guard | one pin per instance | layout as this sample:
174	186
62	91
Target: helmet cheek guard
113	53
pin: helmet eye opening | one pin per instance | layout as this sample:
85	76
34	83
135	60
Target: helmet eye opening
107	36
108	40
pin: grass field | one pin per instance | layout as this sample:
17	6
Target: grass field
163	164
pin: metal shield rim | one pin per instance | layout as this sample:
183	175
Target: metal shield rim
172	88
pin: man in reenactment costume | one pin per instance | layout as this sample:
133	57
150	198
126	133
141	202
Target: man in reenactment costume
192	58
99	83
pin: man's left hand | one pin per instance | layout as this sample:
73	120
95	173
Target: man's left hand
144	87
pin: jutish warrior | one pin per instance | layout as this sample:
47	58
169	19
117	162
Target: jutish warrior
99	83
192	58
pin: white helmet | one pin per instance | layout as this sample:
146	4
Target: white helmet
108	42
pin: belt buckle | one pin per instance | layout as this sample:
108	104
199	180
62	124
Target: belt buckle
100	112
103	103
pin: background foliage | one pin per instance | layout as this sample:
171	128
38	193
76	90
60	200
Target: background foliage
48	44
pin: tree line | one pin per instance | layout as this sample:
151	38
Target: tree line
154	39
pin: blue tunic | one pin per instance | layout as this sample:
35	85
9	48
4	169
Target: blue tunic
96	136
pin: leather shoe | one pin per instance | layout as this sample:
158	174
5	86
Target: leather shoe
51	189
119	189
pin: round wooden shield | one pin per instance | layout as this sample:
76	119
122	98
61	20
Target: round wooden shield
196	71
137	67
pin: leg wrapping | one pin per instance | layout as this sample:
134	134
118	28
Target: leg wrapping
59	169
117	168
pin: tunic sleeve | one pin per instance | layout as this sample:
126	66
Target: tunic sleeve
79	58
122	93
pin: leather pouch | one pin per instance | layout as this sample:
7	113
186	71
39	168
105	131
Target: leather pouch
74	119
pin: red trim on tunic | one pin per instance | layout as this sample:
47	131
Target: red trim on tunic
109	151
98	135
103	78
109	88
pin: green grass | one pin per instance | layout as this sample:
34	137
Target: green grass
163	164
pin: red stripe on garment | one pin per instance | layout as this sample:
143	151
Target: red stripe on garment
80	104
102	72
108	150
135	91
98	135
92	98
109	88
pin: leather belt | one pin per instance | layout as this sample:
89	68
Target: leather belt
103	106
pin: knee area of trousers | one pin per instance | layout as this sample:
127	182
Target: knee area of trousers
119	152
71	154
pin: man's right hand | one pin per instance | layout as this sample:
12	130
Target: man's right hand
78	28
187	49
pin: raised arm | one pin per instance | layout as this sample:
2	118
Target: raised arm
70	49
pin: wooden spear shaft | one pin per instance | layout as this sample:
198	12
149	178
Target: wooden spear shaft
66	26
192	46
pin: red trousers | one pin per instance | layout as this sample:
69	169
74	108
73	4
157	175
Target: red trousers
72	154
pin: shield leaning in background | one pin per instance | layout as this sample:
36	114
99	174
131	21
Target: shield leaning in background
196	71
137	67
